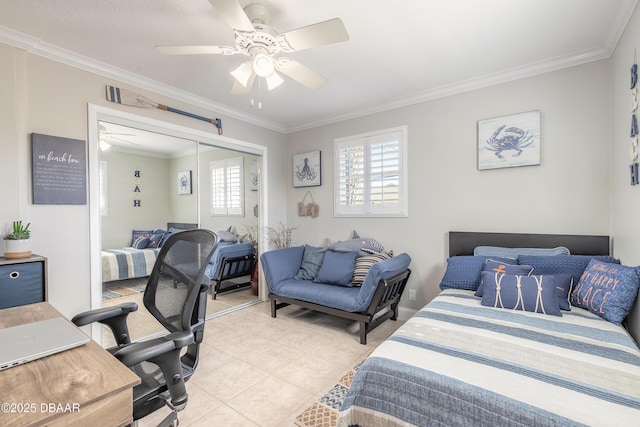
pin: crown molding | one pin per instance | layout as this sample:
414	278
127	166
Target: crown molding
38	47
554	64
461	87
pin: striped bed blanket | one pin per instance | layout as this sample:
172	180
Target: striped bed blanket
127	263
456	362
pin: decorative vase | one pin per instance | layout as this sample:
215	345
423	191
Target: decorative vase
14	249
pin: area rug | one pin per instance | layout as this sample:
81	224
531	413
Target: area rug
122	288
324	412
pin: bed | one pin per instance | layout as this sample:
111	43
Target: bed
127	263
458	362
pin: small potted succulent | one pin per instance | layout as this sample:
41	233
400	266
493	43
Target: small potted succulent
16	242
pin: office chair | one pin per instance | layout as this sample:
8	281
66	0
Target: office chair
176	295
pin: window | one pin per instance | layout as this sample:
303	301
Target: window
227	187
370	173
102	182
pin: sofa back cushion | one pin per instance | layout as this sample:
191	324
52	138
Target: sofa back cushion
311	263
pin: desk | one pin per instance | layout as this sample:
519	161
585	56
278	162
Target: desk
84	386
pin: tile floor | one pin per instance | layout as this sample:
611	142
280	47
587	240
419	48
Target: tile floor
258	371
142	324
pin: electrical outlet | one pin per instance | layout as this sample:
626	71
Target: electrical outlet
412	294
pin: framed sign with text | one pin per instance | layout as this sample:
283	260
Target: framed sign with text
59	170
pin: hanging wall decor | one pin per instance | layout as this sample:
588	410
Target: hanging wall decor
184	182
309	209
58	170
509	141
307	169
137	194
125	97
633	168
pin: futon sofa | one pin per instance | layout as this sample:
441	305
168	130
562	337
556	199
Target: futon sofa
381	288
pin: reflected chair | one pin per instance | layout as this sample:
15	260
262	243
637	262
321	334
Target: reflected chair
176	295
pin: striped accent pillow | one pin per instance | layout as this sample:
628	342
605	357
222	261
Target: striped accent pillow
364	263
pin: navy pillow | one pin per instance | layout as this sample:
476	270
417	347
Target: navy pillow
311	263
562	264
155	240
564	285
608	290
337	268
141	242
536	294
499	267
463	272
139	233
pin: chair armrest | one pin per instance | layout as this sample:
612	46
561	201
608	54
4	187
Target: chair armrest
114	317
164	352
141	351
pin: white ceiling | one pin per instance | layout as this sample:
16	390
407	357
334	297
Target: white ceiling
400	52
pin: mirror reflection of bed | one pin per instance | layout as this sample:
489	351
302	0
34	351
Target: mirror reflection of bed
154	184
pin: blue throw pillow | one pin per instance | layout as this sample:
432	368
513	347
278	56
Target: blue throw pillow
463	272
564	286
139	233
337	268
498	267
311	263
536	294
141	242
562	264
155	240
608	290
514	253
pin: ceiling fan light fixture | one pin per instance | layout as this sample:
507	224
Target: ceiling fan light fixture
104	145
263	65
243	73
273	81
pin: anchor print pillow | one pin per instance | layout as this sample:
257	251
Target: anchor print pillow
498	267
536	294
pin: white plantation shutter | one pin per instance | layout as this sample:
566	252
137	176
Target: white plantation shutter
370	174
227	187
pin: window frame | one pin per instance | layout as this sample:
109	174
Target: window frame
369	208
226	164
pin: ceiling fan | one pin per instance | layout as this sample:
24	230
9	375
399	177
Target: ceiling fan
261	43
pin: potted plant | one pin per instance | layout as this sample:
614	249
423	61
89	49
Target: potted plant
16	242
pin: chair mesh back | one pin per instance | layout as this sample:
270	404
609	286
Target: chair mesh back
174	284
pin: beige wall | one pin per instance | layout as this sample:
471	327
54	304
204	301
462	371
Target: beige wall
567	193
625	207
155	205
44	96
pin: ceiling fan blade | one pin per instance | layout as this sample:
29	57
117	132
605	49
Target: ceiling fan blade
320	34
233	15
196	50
238	89
301	73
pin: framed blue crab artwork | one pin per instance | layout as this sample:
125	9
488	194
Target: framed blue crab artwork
509	141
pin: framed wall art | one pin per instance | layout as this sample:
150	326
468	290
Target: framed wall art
58	170
307	169
184	182
509	141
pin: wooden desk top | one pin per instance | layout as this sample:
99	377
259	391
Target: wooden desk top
81	386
